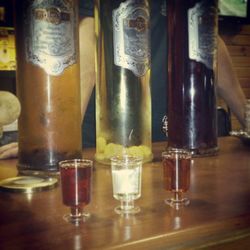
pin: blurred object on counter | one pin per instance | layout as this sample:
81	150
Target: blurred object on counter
224	125
9	109
247	117
9	133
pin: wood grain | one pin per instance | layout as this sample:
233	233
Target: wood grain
218	216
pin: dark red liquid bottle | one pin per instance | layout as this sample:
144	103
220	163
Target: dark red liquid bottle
192	41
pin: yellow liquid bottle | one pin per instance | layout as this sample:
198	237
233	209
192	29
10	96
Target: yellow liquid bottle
48	83
123	97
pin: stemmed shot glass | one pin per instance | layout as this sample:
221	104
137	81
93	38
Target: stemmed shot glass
76	188
126	179
176	175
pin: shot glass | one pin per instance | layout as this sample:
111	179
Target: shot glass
76	188
126	179
176	175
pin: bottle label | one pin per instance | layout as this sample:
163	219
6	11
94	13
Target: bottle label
202	33
131	36
50	38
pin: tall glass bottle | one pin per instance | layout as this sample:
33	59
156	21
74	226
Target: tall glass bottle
48	84
192	46
123	101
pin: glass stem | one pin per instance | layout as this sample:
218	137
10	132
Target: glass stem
177	196
76	212
127	204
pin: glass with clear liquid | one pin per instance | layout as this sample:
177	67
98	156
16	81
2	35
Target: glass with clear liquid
126	180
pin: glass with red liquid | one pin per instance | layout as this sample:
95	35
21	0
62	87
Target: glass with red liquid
176	175
76	187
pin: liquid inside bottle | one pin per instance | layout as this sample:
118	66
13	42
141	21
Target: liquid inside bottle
48	83
123	101
192	44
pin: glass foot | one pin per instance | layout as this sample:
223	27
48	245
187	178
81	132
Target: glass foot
177	203
76	219
133	210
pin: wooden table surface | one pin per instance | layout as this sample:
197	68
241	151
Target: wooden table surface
218	216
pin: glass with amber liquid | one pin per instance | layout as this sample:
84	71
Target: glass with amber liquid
48	83
176	175
76	177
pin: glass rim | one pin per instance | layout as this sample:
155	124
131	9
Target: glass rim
73	163
177	151
126	159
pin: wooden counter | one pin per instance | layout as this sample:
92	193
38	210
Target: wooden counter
218	216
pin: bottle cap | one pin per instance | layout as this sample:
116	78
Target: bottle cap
28	184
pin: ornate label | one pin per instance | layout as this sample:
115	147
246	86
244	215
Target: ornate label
131	36
50	38
202	33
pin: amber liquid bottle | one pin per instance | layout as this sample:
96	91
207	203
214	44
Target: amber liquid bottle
123	101
192	45
48	83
